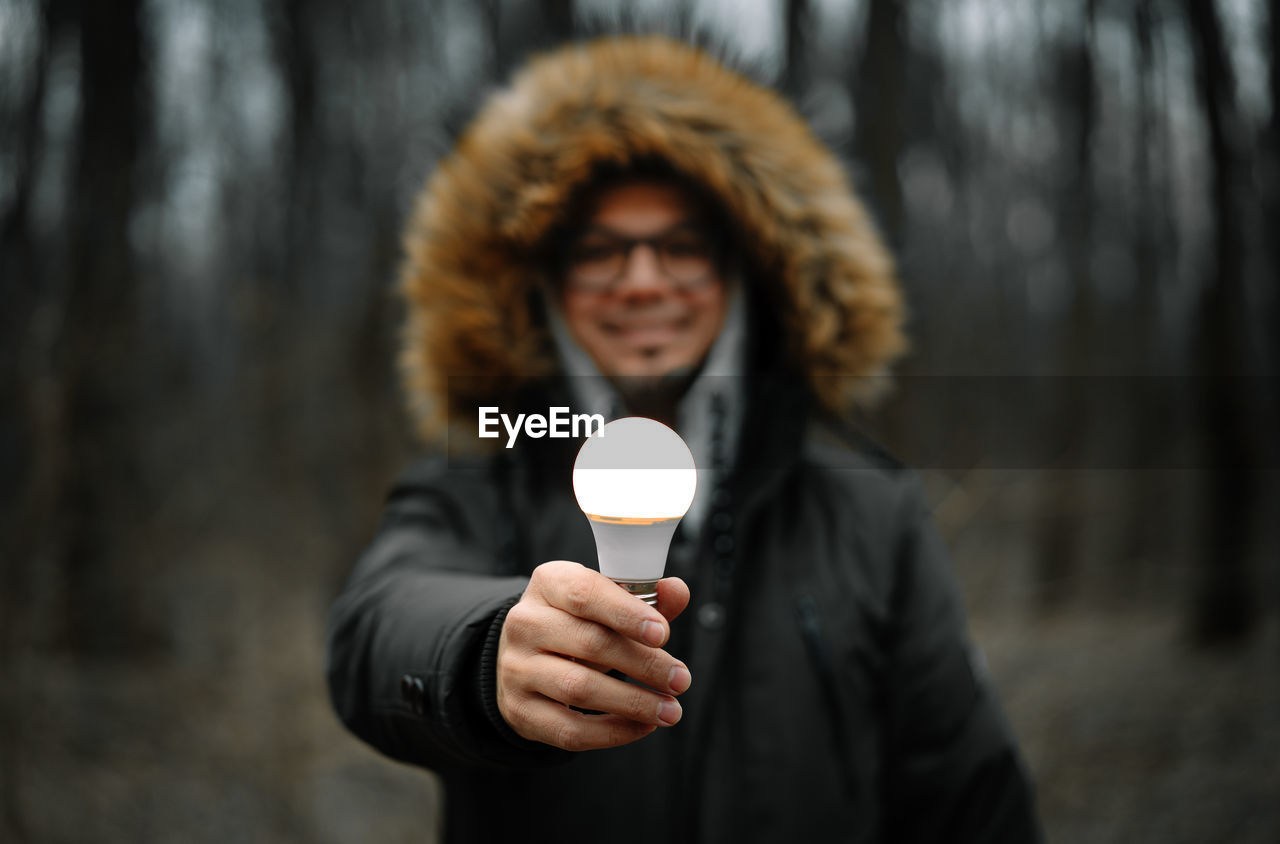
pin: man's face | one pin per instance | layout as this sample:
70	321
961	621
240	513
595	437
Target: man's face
642	291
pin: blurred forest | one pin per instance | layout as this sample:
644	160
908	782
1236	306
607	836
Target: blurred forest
200	213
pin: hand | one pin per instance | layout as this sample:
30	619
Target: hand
571	626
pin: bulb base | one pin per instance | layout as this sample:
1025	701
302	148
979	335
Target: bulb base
645	590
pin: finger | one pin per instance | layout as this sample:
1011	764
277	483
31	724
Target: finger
572	684
594	666
555	724
673	597
546	629
586	593
593	644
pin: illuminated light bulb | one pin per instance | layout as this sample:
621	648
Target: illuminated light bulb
634	481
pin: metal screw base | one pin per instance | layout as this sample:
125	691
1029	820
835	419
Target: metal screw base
645	590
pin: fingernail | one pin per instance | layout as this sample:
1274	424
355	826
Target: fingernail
652	632
669	712
679	679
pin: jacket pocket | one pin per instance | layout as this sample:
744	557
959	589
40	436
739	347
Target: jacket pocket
820	655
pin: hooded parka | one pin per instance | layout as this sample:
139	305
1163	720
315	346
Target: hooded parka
836	695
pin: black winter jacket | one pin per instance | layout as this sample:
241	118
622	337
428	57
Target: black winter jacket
835	695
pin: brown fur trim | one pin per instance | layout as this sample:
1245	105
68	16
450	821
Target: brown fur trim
474	246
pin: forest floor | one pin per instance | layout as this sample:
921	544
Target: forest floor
1133	736
1129	736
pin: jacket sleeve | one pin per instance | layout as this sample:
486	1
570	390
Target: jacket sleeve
412	638
954	770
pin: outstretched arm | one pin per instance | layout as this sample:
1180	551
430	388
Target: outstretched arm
438	657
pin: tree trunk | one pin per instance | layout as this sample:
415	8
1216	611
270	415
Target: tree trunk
1270	149
878	90
100	368
795	75
1225	608
1146	498
518	29
1059	523
28	473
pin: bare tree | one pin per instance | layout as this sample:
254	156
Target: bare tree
28	489
1270	145
1146	493
795	75
1225	603
293	39
878	90
1059	524
517	29
100	386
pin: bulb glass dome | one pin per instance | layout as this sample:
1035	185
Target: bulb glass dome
636	468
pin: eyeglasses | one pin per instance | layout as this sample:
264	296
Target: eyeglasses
597	260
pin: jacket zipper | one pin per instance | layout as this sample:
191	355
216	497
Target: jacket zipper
820	654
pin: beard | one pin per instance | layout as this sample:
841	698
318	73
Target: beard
655	396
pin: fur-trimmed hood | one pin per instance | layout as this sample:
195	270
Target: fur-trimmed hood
476	244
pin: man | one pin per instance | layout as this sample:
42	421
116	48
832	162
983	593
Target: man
631	228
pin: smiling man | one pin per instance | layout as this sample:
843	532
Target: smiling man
632	228
641	286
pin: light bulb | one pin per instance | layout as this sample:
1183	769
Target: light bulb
634	481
